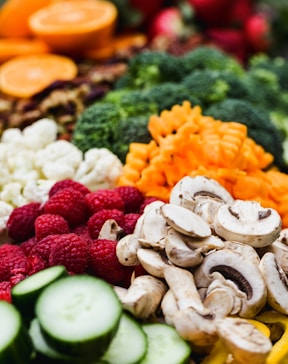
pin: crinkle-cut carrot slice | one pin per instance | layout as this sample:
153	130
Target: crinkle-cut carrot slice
249	187
24	76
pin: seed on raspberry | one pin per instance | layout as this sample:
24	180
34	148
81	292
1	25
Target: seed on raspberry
130	222
68	183
12	261
132	198
47	224
104	199
97	220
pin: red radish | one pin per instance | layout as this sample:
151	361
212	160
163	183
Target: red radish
211	12
239	12
258	32
147	8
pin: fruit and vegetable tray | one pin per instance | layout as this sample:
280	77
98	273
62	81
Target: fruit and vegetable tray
144	182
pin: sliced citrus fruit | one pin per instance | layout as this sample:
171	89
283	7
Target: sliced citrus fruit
24	76
14	16
70	26
12	47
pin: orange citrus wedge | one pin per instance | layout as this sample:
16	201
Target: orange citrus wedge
24	76
14	16
70	26
12	47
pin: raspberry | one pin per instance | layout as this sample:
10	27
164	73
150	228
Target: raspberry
83	232
97	220
132	198
34	264
69	250
130	222
104	199
5	291
104	263
27	245
12	261
68	183
47	224
68	203
20	224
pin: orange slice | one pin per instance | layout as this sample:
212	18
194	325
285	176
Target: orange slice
24	76
70	26
12	47
14	16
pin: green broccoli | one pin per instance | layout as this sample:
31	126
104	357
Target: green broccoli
206	86
95	127
212	58
150	68
260	127
168	94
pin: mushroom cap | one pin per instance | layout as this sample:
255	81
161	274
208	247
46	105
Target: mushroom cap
248	222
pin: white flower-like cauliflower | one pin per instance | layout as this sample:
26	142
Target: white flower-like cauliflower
37	190
5	211
100	169
12	194
59	160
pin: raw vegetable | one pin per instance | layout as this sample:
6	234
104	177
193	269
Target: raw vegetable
15	343
165	345
24	76
79	315
25	293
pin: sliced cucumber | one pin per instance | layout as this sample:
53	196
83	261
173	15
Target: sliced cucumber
129	344
25	293
15	343
79	315
165	345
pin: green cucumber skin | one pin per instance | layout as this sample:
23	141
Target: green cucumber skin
88	349
25	302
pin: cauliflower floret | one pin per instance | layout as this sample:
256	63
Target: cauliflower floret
12	194
38	191
100	168
12	136
5	175
59	160
40	134
22	167
5	211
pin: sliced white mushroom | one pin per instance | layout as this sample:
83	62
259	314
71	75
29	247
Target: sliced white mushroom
207	208
199	330
153	261
126	250
185	221
144	296
206	245
248	222
110	230
169	306
186	191
247	251
179	253
181	282
246	343
280	250
276	283
234	267
283	236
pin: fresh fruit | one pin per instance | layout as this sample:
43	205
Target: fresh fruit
131	197
97	220
104	199
258	32
47	224
238	13
13	261
24	76
60	185
72	26
211	12
79	315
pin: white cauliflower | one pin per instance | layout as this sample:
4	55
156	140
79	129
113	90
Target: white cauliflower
12	194
100	169
59	160
5	211
40	134
37	191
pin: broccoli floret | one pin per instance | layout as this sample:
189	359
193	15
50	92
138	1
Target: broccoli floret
206	86
168	94
208	57
260	127
237	85
95	127
128	130
150	68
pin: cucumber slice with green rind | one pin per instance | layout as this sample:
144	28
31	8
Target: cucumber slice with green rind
79	315
25	293
129	345
165	345
15	343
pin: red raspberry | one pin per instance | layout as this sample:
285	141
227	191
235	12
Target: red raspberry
47	224
34	264
5	291
104	199
27	245
132	198
69	250
83	232
20	224
97	220
130	222
104	264
16	278
68	203
12	261
68	183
